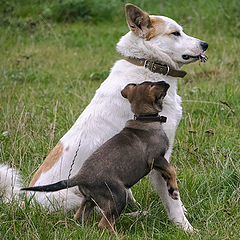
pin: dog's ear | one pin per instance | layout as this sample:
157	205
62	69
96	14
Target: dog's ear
138	21
159	90
126	92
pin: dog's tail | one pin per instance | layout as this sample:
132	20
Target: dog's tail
10	190
53	187
10	183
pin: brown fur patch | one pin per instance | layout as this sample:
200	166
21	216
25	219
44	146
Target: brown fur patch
67	148
158	28
48	163
173	177
127	91
155	92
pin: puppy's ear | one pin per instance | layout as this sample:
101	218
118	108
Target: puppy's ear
159	89
138	21
126	92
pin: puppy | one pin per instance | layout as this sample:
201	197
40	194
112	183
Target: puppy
122	161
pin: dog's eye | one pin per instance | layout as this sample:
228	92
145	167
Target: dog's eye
176	33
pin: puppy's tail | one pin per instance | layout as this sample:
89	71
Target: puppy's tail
52	187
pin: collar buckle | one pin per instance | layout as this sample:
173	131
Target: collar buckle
149	64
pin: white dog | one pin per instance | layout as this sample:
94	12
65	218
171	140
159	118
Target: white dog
154	50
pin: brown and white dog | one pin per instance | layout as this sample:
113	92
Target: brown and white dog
106	176
153	50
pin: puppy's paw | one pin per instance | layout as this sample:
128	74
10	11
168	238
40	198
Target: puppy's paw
174	193
137	213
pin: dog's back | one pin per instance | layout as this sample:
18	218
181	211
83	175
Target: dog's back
127	157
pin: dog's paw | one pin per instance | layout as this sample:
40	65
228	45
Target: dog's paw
174	193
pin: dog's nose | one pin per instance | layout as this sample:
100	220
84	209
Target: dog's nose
204	46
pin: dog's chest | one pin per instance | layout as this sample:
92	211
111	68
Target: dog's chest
124	73
146	146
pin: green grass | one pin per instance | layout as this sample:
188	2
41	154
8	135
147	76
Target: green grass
63	63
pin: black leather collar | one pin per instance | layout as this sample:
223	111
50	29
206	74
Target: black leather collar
151	118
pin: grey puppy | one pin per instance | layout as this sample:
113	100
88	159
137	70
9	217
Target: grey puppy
123	160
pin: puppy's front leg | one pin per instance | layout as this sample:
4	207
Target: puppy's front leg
169	174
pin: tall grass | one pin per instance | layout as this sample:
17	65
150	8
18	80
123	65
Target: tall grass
49	71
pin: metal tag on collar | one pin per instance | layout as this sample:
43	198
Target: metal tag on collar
163	119
148	64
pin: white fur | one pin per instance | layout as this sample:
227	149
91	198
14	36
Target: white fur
10	183
108	112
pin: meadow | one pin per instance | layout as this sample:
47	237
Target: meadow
52	60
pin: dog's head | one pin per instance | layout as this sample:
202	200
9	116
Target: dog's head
161	38
147	97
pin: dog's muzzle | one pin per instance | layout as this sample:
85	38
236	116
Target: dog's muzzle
200	57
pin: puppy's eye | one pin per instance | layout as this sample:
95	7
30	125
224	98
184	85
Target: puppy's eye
176	33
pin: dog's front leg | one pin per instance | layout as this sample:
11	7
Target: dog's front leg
130	197
174	208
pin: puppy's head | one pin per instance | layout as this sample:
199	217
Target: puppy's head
145	98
